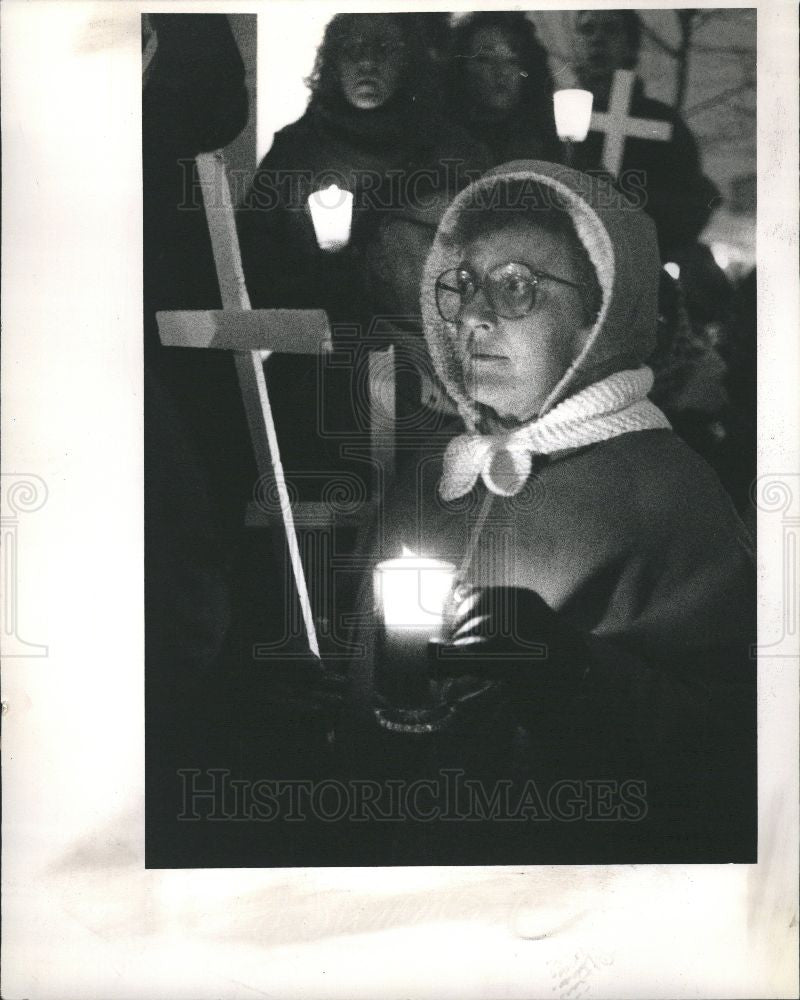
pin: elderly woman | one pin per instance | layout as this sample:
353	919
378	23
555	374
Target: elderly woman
594	682
499	86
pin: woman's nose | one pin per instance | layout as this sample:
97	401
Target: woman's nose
477	319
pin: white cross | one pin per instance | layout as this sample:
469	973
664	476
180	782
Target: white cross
618	125
252	334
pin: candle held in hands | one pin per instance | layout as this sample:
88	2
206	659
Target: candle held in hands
410	596
411	591
332	214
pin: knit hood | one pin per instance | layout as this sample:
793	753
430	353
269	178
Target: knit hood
621	244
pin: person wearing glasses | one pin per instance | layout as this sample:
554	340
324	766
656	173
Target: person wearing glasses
597	640
499	86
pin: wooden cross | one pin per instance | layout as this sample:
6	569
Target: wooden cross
618	125
253	334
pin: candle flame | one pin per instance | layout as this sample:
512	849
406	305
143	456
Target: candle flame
331	213
573	113
411	590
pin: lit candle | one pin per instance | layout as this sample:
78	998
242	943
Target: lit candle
573	113
332	214
410	596
411	592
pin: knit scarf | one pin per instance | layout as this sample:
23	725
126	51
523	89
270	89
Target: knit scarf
616	405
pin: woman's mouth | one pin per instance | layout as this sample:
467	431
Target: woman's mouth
487	359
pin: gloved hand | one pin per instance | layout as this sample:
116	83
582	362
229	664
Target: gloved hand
510	635
308	685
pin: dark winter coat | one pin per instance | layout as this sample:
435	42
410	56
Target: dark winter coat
664	178
389	159
635	545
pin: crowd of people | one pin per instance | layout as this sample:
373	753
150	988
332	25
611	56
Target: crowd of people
405	125
514	289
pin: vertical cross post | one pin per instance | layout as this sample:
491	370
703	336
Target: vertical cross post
249	365
618	125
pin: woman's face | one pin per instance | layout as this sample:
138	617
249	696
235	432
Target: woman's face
512	365
371	61
494	73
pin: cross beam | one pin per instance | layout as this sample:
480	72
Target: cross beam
252	336
618	125
284	331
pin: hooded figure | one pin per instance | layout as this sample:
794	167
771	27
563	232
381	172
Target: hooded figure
599	636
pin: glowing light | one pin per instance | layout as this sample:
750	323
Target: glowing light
673	269
332	213
411	591
573	112
721	253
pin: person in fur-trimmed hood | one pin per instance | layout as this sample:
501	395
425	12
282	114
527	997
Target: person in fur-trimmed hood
602	624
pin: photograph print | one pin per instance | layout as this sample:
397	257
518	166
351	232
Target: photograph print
450	437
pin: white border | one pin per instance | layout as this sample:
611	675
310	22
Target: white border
81	916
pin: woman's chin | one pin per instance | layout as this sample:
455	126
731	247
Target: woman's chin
509	399
482	397
505	410
485	387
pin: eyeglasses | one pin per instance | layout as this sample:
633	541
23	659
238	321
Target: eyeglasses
510	290
358	49
491	61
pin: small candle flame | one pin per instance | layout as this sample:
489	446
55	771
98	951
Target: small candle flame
573	113
332	197
411	590
331	213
